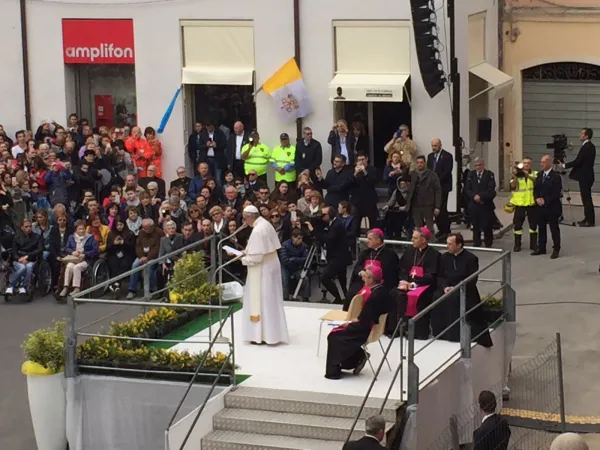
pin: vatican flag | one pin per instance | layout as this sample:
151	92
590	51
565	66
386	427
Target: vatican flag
287	88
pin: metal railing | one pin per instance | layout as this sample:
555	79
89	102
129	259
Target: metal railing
413	382
225	313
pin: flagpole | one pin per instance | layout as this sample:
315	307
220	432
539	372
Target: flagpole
297	55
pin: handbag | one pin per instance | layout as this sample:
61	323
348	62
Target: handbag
71	259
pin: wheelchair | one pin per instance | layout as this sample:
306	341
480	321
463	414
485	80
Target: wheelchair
41	280
96	274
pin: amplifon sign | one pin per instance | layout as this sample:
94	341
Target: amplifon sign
98	41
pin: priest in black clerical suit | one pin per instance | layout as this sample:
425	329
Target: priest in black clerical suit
377	254
418	281
455	266
344	343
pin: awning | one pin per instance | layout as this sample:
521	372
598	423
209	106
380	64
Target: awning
217	75
500	83
347	87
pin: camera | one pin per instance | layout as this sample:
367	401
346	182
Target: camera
164	212
559	146
519	172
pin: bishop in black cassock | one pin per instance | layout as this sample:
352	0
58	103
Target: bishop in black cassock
418	268
455	266
344	343
375	253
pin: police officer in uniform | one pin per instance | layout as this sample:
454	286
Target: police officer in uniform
256	156
282	159
521	187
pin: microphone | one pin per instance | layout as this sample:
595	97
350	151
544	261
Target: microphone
226	238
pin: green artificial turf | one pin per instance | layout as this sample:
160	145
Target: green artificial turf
192	328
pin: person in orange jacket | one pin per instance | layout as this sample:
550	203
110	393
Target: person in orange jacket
156	146
140	150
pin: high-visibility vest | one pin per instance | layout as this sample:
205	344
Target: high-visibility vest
282	156
523	195
258	158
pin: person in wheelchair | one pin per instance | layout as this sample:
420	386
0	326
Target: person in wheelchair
27	247
397	222
97	229
81	250
169	243
120	250
293	257
59	237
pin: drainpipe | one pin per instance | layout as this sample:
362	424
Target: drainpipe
501	156
296	54
25	54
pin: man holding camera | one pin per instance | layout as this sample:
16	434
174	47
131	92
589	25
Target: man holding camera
333	236
521	197
583	172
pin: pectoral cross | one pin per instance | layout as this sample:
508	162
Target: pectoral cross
414	273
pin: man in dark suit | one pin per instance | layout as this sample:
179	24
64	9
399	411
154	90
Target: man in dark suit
480	189
237	140
547	191
309	153
494	432
332	235
212	150
374	433
194	145
583	172
342	142
441	162
363	194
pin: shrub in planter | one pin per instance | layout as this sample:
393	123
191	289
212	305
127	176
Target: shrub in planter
188	283
493	308
45	347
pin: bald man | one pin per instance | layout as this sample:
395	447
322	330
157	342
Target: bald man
442	163
569	441
547	191
237	140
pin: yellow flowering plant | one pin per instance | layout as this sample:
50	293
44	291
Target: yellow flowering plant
189	283
46	347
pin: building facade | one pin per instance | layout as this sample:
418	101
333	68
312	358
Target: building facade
147	50
549	49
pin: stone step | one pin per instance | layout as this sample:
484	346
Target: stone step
233	440
311	403
287	424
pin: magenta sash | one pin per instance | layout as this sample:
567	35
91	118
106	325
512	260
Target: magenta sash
414	294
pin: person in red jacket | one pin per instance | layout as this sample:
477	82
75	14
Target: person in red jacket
140	151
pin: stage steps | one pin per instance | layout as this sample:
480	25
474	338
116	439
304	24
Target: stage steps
268	419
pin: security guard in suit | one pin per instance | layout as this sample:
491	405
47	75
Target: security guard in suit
523	202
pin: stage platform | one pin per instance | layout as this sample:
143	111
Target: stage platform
296	366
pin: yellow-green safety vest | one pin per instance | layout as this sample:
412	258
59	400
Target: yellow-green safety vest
258	158
282	156
523	195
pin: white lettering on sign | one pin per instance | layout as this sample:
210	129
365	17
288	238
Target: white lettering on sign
102	51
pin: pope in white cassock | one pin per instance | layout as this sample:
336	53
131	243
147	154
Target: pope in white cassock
263	313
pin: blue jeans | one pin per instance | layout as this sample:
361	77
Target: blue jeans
133	279
215	171
22	273
288	276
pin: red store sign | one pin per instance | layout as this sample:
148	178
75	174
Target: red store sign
98	41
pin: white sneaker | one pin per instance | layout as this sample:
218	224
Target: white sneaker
22	290
9	291
64	292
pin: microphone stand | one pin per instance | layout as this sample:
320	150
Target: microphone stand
220	250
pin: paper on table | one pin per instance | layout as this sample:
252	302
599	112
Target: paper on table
336	323
229	249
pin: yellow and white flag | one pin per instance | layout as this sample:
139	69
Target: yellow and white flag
287	88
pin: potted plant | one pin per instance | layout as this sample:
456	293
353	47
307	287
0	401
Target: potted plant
493	308
189	284
44	366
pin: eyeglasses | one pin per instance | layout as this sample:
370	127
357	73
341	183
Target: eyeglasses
275	216
181	172
152	189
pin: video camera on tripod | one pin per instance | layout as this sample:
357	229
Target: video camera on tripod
559	146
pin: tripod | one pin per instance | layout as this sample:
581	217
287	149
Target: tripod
557	166
313	253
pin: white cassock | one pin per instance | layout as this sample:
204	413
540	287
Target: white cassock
264	316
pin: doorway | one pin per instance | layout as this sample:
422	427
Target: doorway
225	105
380	121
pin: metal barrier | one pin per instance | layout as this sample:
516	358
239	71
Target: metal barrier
509	309
225	314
